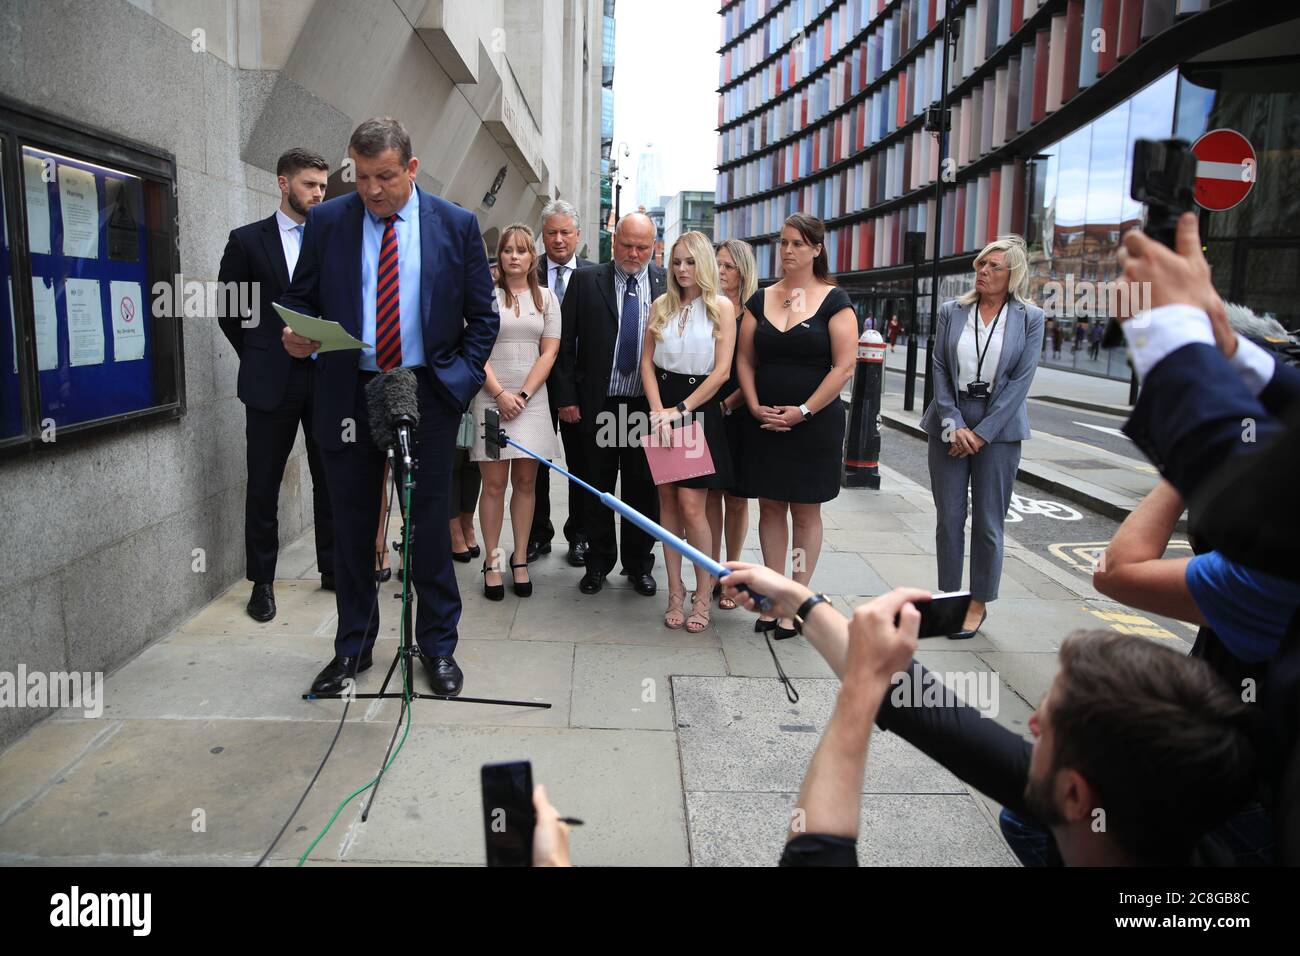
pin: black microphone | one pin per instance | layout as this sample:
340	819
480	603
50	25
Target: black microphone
393	407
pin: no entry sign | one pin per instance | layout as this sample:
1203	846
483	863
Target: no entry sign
1225	169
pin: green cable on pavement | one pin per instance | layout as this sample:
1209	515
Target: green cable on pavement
407	536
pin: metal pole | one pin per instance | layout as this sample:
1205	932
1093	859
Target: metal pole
948	25
909	385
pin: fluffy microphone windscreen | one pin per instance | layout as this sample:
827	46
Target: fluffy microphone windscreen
389	397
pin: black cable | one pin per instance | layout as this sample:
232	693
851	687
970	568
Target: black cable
338	731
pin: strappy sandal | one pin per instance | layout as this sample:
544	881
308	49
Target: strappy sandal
676	610
699	619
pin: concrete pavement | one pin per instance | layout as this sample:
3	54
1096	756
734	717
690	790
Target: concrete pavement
677	749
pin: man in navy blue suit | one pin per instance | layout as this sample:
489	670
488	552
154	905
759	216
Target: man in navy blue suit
275	388
406	272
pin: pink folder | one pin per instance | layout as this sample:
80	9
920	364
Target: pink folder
687	457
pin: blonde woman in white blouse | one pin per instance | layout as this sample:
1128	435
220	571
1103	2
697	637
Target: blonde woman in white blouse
685	360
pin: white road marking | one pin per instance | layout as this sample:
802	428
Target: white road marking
1104	428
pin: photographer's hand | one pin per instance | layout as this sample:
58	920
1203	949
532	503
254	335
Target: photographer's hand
1178	276
786	595
551	835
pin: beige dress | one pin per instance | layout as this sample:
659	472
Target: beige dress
516	350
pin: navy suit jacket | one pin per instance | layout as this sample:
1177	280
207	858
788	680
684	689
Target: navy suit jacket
254	253
457	306
1195	413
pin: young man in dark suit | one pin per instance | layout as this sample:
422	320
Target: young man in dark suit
406	272
561	236
598	387
275	388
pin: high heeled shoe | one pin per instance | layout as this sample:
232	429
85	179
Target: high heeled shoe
493	592
521	590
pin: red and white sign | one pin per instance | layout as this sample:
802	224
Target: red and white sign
1225	169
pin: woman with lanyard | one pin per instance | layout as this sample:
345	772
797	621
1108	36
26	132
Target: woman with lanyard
987	345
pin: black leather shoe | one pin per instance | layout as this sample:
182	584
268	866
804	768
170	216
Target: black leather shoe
761	626
444	675
784	633
493	592
330	680
591	582
644	584
536	549
577	555
261	604
521	590
327	580
967	635
464	557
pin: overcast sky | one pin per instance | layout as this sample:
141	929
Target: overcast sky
665	90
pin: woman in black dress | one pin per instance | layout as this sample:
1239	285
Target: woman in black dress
737	280
797	350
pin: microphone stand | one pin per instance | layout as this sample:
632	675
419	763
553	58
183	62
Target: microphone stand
403	466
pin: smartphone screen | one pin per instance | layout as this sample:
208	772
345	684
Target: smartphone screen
508	814
943	614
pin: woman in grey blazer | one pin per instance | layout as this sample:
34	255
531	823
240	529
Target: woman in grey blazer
986	349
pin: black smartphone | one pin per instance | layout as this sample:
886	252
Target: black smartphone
492	433
943	614
1164	180
508	814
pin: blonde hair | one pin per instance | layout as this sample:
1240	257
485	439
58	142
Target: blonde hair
699	248
1015	258
742	254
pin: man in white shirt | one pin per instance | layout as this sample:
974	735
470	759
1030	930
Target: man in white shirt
274	387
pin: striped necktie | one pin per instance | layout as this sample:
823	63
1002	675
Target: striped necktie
388	300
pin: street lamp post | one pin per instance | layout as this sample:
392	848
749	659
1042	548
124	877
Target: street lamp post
939	121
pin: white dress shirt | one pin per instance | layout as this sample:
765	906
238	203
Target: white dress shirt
1164	330
990	339
552	278
290	239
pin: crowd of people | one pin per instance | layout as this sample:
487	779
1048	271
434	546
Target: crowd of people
1188	759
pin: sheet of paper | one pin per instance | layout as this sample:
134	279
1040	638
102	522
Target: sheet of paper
331	336
85	322
47	325
128	321
79	200
38	205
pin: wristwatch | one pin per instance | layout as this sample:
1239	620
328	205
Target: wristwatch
681	407
807	412
801	615
523	395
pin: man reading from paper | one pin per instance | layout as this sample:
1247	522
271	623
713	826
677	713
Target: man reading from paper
406	271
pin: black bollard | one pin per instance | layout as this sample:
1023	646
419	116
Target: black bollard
862	442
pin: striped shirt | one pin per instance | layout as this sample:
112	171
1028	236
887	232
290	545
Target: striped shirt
630	384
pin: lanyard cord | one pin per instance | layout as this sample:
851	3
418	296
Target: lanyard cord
979	356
